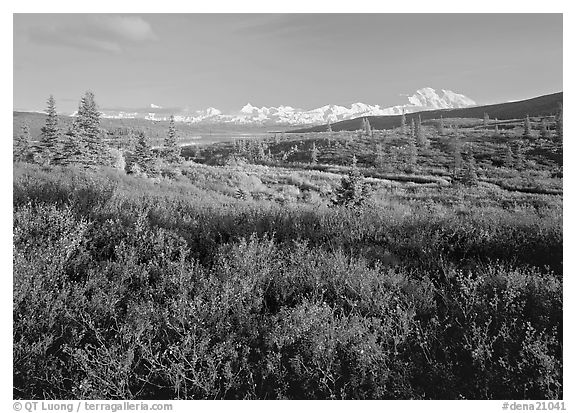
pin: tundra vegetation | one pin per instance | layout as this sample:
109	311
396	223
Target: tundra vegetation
429	267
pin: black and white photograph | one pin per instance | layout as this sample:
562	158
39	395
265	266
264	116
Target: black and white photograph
286	206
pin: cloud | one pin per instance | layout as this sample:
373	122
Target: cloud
100	33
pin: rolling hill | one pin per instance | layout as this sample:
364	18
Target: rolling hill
539	106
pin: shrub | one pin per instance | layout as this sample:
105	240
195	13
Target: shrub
130	289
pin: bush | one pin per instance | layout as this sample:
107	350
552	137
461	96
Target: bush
130	289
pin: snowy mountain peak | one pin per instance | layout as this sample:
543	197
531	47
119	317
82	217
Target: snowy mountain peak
423	99
428	98
249	109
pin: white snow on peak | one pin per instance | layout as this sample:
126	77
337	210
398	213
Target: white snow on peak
423	99
153	106
428	98
248	109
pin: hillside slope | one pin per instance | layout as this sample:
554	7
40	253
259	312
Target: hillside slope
539	106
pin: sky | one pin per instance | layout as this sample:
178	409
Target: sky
188	62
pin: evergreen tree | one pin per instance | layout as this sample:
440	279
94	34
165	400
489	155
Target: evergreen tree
559	123
314	154
368	128
21	148
379	160
441	126
470	177
508	156
73	149
544	131
412	151
242	147
527	127
132	139
50	145
144	160
329	127
496	130
456	155
171	149
486	118
353	191
88	126
261	152
403	122
519	155
354	161
421	139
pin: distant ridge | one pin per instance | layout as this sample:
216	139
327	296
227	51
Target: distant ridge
538	106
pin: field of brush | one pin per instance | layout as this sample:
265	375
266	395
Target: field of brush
233	276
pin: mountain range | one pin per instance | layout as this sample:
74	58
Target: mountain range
422	100
546	105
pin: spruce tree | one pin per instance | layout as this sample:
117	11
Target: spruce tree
368	128
527	127
144	160
441	126
403	122
486	118
456	155
412	151
88	127
508	156
131	138
314	154
73	149
470	177
519	155
171	149
379	161
353	191
261	152
559	123
544	131
421	139
354	161
242	147
50	143
329	127
21	148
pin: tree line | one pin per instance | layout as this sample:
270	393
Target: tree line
82	143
